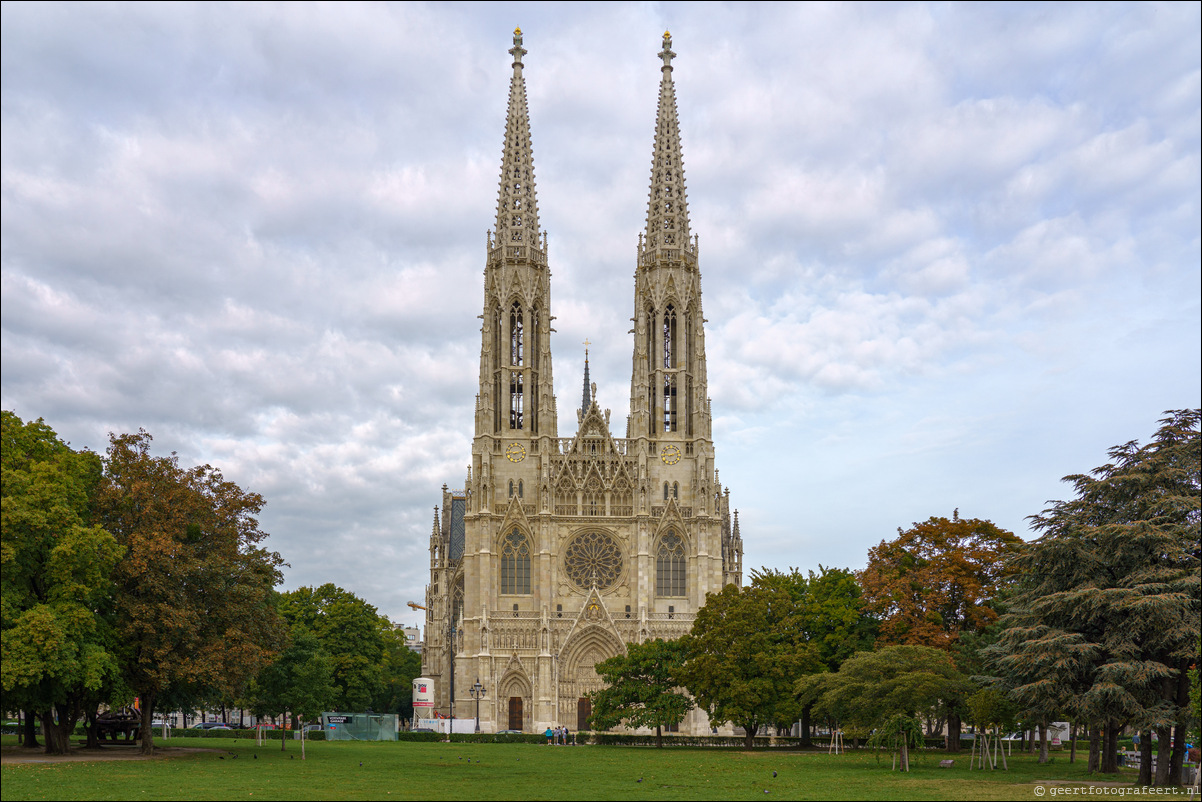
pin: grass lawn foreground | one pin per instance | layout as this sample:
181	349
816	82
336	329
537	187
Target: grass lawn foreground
408	770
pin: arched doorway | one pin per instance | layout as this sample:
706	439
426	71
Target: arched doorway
578	676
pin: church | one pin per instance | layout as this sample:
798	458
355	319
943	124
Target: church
559	551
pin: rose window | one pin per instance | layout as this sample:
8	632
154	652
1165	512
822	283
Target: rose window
593	558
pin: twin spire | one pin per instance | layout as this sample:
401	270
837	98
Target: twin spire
667	207
517	203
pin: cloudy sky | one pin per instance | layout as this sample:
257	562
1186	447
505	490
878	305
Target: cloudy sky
950	253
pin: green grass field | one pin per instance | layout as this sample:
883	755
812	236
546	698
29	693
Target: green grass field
351	770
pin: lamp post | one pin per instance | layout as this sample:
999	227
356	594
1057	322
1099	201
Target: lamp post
477	691
451	641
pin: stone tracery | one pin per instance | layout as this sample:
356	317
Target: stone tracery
593	559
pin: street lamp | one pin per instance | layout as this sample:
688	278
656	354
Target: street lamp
477	691
451	641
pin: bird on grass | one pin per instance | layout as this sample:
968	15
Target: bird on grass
774	774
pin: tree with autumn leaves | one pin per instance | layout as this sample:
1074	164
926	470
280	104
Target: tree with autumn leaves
194	607
123	576
938	585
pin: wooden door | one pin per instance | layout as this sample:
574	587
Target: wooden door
515	713
584	709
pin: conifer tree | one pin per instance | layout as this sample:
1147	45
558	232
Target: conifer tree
1106	620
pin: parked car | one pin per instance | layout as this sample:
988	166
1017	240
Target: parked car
210	725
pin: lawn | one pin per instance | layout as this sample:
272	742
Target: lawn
406	770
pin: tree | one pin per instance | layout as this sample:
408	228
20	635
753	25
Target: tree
937	581
990	707
886	690
831	614
194	605
300	681
56	583
351	632
1109	600
746	648
641	688
401	666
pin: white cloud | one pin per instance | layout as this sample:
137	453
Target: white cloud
937	243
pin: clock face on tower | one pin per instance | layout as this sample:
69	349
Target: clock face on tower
515	452
670	455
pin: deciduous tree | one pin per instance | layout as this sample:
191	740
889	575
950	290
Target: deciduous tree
744	653
892	685
194	604
937	581
56	580
300	681
401	666
351	632
832	617
641	688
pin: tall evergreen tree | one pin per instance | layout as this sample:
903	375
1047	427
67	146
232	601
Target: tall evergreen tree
1106	620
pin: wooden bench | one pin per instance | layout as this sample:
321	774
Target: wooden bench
946	764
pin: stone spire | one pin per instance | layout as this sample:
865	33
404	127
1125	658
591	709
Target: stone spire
667	206
585	397
517	395
517	204
668	395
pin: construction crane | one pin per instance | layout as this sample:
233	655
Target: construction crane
416	606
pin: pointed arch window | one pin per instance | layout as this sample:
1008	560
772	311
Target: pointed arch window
669	407
515	400
457	601
670	566
535	314
516	335
511	488
497	338
520	493
515	564
670	337
676	490
594	498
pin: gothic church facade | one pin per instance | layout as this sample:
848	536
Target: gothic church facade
559	551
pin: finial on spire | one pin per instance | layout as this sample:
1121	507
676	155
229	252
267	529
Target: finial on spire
666	54
517	51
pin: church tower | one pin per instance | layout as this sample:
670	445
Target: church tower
558	552
669	403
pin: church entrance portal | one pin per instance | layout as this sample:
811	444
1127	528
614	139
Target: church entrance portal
515	713
584	709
